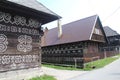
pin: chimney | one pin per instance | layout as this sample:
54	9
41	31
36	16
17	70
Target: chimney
43	39
59	29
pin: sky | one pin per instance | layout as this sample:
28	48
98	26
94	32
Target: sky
72	10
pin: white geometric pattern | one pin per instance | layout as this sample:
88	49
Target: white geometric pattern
24	43
3	43
19	20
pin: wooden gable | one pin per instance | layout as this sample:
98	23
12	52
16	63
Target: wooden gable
98	33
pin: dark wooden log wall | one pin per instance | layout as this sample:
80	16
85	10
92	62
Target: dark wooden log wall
64	53
91	50
19	41
67	53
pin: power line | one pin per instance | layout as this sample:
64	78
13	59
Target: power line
92	8
111	14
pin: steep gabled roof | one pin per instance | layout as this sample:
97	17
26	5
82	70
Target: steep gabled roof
109	31
34	4
80	30
31	8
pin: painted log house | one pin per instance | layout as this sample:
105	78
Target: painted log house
113	36
75	40
20	33
113	46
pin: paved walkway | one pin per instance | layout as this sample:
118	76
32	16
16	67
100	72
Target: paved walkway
109	72
26	74
62	74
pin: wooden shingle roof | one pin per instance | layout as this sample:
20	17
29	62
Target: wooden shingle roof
30	7
109	31
34	4
76	31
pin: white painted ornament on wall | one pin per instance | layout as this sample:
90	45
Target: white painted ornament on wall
19	20
3	43
24	43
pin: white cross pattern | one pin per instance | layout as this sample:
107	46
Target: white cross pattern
24	43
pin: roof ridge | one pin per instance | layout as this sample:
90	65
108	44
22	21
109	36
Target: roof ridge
81	19
46	8
75	21
37	6
109	31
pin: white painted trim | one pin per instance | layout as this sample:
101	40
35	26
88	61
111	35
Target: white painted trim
93	28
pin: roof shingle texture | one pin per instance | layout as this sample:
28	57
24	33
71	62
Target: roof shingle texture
72	32
109	31
34	4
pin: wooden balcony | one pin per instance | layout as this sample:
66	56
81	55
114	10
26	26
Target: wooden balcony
97	37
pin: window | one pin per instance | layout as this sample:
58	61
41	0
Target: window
97	31
68	51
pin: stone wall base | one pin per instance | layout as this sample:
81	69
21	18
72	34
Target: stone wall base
24	74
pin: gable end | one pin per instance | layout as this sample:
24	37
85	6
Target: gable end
98	33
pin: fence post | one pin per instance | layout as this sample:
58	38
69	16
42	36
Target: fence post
105	55
119	50
75	62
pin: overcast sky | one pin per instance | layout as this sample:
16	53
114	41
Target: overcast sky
72	10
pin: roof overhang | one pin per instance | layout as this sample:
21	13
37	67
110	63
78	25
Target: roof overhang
42	16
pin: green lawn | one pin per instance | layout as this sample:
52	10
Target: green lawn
44	77
88	66
99	63
60	67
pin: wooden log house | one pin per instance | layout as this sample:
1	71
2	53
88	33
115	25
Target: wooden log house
78	40
112	36
113	46
20	33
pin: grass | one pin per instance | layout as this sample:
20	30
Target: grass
44	77
88	66
60	67
99	63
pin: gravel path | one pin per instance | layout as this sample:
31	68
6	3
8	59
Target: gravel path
62	74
